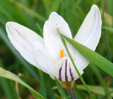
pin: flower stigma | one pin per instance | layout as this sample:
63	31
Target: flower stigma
61	53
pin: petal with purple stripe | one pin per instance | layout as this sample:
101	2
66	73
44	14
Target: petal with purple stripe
71	74
66	77
60	78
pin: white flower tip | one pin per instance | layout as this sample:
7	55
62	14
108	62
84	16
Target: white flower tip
8	26
53	13
95	10
94	6
8	23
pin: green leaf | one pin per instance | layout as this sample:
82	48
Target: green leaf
77	69
61	91
6	88
109	54
94	57
6	74
42	85
10	92
55	5
108	28
100	78
95	89
30	11
47	7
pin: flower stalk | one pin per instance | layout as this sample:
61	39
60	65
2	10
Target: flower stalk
71	92
69	86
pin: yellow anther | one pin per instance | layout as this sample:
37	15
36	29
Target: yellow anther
61	53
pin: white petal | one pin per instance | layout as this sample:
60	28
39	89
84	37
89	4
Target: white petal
90	31
43	59
89	34
65	71
52	38
22	39
73	52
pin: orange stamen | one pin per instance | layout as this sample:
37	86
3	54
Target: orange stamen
61	53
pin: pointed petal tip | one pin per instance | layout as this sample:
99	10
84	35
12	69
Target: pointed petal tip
8	26
94	6
53	14
50	16
95	10
9	23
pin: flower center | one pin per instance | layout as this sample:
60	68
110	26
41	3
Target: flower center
64	70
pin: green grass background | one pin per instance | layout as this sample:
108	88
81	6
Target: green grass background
31	12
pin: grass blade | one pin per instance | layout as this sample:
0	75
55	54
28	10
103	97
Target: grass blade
37	15
77	69
55	5
108	28
47	7
42	86
109	54
96	89
61	91
94	57
99	77
6	86
6	74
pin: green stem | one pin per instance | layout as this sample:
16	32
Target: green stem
69	86
72	93
112	14
109	55
63	40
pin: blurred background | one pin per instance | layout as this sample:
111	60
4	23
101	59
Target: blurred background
32	14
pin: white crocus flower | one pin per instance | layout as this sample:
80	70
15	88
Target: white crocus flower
49	53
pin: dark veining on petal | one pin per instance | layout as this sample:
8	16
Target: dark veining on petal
12	31
71	74
90	30
22	37
60	78
66	77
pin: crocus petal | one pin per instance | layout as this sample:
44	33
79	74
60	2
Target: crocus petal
90	31
43	59
65	71
89	34
52	27
22	39
73	52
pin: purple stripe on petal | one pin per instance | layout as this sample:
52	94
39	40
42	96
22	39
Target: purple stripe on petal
60	78
22	36
14	37
71	74
66	77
